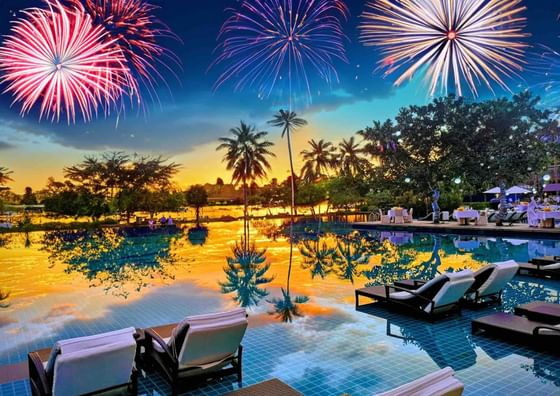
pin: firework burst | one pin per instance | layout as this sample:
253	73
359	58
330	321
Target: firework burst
546	65
134	30
265	41
470	41
57	57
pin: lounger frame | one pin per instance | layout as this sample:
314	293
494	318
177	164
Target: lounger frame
168	364
433	314
539	271
546	342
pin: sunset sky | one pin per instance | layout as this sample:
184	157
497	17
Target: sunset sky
190	116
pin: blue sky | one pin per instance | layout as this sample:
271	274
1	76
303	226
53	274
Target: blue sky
190	115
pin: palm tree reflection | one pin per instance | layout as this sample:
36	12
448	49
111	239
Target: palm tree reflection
352	252
246	274
317	256
287	307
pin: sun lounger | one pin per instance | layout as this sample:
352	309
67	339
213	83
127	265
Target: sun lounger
488	285
519	328
440	383
86	365
439	296
273	387
490	281
540	270
545	260
198	348
540	311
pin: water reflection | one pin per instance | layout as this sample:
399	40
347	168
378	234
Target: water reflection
246	274
434	339
197	235
287	307
317	257
353	251
117	259
4	299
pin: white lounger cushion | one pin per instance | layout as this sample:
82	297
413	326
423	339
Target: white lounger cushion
210	339
451	291
440	383
554	266
454	290
502	274
403	295
550	332
90	364
83	343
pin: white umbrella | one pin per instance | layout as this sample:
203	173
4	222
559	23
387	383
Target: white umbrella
510	191
495	190
517	190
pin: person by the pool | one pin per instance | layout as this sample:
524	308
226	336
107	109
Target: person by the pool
532	213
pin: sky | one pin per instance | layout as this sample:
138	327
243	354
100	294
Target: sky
188	117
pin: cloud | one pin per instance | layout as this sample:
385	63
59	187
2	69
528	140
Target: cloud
6	146
170	129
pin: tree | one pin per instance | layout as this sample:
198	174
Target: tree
5	175
289	122
317	160
343	192
122	178
246	156
311	194
197	197
29	197
67	199
350	159
451	140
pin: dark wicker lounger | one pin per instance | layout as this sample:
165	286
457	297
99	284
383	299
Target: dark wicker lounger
540	311
519	328
540	270
438	297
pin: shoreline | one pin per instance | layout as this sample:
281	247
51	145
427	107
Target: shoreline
90	225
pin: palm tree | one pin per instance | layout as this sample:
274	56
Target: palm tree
379	139
289	122
350	158
5	175
318	160
246	274
247	156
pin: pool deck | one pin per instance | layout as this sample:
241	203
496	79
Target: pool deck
517	230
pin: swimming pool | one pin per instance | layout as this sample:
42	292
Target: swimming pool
304	328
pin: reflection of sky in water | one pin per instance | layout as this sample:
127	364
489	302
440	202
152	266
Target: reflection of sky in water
69	284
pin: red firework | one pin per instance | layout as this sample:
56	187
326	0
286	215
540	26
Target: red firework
57	57
135	30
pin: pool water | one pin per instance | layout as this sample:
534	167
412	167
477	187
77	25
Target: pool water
304	328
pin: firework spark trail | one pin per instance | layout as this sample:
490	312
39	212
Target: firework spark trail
135	30
471	40
58	57
264	40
